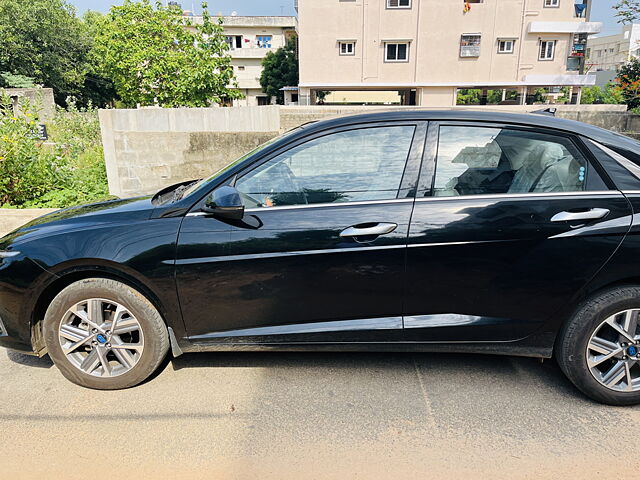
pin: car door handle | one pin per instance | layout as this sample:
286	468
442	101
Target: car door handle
376	229
592	214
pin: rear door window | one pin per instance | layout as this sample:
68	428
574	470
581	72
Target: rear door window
484	160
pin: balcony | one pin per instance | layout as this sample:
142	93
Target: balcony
574	64
250	52
561	80
565	27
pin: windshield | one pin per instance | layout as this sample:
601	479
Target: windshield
198	185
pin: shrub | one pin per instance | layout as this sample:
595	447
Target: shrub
76	128
27	171
67	171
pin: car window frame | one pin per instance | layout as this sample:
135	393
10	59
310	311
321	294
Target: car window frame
408	181
427	177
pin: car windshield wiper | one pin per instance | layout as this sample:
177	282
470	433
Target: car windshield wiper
179	192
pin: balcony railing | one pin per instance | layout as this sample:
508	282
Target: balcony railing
251	52
470	50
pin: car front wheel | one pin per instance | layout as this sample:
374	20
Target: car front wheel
104	334
599	347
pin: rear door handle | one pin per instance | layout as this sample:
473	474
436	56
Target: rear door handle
592	214
370	230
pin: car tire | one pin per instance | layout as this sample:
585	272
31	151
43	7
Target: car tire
596	324
83	313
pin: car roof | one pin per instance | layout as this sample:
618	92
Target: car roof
527	119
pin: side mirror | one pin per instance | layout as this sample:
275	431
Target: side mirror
224	202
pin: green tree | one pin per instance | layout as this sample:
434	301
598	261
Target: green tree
591	95
468	96
280	69
44	40
627	11
10	80
494	96
97	90
611	94
321	95
628	81
155	56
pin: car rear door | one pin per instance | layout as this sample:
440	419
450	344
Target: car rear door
320	254
509	224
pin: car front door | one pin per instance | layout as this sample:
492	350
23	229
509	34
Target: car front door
320	253
509	224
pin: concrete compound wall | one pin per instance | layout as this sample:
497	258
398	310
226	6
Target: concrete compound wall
148	149
10	218
39	98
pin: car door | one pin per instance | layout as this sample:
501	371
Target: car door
320	253
509	224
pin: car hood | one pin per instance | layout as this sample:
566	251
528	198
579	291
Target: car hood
81	217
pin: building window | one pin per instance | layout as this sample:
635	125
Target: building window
506	46
551	3
398	3
473	1
396	52
241	68
547	49
347	48
264	41
234	41
470	45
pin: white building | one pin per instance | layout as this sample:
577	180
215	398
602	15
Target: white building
250	39
610	52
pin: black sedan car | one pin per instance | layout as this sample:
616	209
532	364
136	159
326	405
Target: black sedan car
451	231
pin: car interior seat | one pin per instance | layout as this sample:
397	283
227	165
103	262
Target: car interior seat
549	168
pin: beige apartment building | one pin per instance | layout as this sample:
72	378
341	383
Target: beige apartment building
428	49
250	38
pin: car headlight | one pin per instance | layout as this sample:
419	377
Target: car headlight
8	253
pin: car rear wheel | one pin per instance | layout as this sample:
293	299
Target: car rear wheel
599	347
105	335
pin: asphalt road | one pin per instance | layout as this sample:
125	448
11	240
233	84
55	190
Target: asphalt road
342	416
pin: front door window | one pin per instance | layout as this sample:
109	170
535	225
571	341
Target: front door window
351	166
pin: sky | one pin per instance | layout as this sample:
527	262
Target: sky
602	10
243	7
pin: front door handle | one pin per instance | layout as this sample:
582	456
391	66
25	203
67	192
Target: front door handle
368	230
592	214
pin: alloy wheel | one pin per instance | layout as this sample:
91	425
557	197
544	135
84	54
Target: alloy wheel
613	352
101	337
